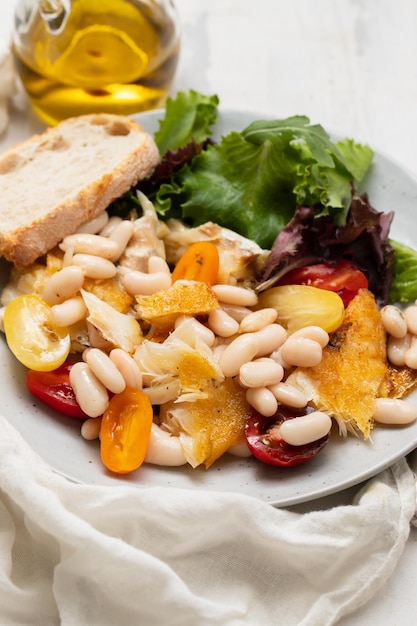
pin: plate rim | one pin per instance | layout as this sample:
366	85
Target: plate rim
324	490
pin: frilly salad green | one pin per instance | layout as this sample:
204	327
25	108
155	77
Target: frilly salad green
259	182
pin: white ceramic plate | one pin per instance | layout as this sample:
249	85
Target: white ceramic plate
343	463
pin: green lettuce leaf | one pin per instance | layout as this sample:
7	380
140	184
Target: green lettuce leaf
357	157
404	283
189	116
253	181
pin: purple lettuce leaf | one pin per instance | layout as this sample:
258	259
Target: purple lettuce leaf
363	240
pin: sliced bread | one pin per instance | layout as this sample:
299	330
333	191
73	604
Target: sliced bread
53	182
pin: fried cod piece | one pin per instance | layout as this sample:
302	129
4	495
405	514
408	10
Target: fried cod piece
239	256
353	371
210	425
401	381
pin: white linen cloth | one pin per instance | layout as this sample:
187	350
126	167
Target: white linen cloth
78	555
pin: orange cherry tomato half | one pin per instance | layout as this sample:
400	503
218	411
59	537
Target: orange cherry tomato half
199	262
125	431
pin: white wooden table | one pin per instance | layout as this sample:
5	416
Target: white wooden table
350	65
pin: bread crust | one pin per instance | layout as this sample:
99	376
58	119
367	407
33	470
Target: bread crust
117	150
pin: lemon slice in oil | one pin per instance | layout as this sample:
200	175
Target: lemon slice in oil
100	55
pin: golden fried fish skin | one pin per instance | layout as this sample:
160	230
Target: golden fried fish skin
401	381
353	370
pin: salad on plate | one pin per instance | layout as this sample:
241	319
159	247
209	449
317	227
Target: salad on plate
244	299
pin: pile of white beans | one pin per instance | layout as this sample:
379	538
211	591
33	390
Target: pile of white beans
249	345
401	327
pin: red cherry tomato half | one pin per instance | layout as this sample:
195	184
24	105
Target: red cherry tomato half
267	446
55	390
343	278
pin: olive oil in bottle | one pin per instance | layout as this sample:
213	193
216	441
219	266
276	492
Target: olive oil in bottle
86	56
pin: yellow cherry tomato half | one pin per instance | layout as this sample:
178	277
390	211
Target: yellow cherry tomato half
31	335
125	431
199	262
301	305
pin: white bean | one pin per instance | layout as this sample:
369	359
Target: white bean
139	283
69	312
221	323
410	356
121	234
396	349
158	264
90	428
394	322
258	320
410	315
67	258
277	356
94	266
394	411
95	225
63	284
237	312
84	243
164	449
316	333
238	352
128	367
289	395
105	370
230	294
306	428
270	338
239	449
204	333
260	373
90	393
218	350
263	400
301	352
114	220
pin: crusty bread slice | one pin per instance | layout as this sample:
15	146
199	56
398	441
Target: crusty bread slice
53	182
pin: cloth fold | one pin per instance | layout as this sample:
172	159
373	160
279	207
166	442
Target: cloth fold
75	554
